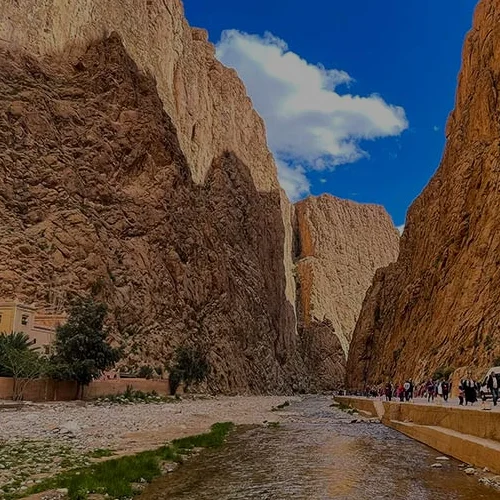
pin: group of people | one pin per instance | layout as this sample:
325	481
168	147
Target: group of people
406	391
469	390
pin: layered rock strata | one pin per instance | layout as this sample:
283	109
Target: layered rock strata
437	306
341	245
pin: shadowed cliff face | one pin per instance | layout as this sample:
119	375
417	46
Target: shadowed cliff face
438	305
96	196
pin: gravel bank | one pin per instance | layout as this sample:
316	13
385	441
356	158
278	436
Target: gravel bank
131	427
43	439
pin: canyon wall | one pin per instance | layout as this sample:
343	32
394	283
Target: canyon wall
206	101
341	244
437	306
134	168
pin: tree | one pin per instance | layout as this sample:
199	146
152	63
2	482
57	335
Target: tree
191	365
81	350
20	361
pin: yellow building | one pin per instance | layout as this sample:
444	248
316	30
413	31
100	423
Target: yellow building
39	326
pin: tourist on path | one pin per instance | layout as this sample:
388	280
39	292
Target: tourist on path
401	392
461	395
407	387
493	385
469	386
388	391
430	390
445	386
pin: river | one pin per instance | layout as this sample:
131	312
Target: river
316	454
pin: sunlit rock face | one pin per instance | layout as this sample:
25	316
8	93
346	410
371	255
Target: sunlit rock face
341	245
437	306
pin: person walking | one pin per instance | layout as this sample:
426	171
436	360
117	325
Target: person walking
445	387
388	391
493	386
407	390
430	387
469	386
401	392
412	389
461	395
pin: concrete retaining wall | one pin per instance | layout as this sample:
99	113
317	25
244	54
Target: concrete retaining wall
470	435
483	424
365	405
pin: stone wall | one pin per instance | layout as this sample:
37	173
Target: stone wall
52	390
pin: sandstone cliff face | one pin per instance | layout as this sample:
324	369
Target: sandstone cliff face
96	195
206	101
133	167
341	244
437	306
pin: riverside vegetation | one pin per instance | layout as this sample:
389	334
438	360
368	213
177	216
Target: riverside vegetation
126	476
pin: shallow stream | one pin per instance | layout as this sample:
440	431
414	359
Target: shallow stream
316	454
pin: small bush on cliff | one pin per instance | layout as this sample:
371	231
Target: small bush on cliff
190	366
443	372
81	350
147	372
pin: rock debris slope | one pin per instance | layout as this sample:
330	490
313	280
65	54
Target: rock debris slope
438	305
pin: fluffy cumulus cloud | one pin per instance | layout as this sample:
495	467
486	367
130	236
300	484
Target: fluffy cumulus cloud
400	228
310	125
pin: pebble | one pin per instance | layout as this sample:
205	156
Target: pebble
437	466
470	471
442	458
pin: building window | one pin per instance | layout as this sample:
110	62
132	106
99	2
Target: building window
24	319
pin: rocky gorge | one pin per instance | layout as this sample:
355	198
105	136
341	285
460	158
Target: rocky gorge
437	305
134	168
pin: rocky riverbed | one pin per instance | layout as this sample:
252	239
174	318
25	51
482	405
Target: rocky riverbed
43	439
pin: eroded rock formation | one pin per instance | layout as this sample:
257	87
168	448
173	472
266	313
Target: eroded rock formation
96	195
437	306
341	245
133	167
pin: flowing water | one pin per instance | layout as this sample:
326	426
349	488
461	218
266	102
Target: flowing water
316	454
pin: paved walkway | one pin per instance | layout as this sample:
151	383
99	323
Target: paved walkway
451	403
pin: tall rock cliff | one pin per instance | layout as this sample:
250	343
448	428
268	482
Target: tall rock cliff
133	167
341	244
438	305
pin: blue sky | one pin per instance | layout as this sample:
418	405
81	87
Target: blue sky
398	60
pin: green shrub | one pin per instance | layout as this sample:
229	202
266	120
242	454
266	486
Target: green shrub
147	372
115	477
190	366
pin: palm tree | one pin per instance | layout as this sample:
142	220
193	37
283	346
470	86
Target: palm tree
15	340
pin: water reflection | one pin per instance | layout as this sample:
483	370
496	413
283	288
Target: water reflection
318	454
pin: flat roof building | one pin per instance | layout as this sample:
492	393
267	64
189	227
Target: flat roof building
40	326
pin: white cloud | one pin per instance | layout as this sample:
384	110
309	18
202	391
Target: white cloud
322	180
308	122
400	228
293	180
435	128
